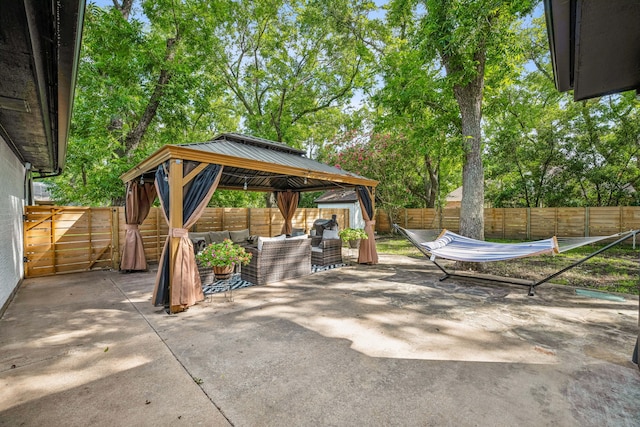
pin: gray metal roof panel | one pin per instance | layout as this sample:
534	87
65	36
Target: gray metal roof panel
261	154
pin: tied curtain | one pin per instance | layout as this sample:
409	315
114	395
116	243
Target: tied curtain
186	287
138	202
368	253
287	204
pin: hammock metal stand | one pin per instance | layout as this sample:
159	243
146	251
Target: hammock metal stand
521	282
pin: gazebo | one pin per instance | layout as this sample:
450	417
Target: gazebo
186	176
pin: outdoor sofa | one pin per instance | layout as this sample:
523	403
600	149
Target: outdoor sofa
275	259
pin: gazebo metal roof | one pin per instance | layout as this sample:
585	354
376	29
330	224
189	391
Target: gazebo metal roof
262	164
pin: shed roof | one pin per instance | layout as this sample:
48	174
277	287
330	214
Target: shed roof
262	164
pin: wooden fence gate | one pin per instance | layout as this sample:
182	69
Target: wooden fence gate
67	239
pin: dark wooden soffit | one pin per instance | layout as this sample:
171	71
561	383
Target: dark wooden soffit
39	53
595	46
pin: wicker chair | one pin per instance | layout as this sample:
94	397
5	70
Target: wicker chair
326	252
278	260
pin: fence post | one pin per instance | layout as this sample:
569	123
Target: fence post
115	239
621	220
222	220
586	222
528	223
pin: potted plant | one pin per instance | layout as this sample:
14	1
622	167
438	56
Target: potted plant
223	257
353	236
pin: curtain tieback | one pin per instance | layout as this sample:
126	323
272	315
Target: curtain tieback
370	222
178	232
131	226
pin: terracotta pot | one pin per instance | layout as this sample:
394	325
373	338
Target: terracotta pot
222	273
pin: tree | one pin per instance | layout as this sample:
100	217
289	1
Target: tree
525	129
414	106
383	157
462	36
546	150
604	150
292	66
138	88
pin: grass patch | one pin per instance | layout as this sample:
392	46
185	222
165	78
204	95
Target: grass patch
615	270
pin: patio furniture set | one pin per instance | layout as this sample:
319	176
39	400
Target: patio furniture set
280	257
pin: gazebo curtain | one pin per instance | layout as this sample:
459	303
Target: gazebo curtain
368	253
287	204
138	202
186	287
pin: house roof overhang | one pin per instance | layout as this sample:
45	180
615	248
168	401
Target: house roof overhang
595	46
39	53
263	165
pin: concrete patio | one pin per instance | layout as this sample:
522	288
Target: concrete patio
360	345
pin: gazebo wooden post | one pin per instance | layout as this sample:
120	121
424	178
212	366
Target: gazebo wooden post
175	220
373	203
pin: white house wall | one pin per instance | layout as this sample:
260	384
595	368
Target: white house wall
355	213
12	174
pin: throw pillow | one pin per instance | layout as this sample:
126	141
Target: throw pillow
330	235
261	240
219	236
239	236
202	235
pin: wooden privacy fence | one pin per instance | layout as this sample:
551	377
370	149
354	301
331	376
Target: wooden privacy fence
62	239
523	223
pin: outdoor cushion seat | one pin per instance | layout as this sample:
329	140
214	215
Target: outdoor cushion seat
279	259
326	250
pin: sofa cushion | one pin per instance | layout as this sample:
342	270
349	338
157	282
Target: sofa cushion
203	235
297	237
219	236
240	236
297	232
261	240
330	235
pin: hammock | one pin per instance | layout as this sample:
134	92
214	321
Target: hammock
459	248
449	245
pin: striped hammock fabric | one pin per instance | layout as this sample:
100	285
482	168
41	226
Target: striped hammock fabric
453	246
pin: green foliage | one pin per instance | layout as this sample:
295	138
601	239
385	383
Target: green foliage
288	70
291	65
415	107
382	157
349	234
236	199
546	150
307	199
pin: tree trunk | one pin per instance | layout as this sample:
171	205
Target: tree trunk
434	187
469	98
